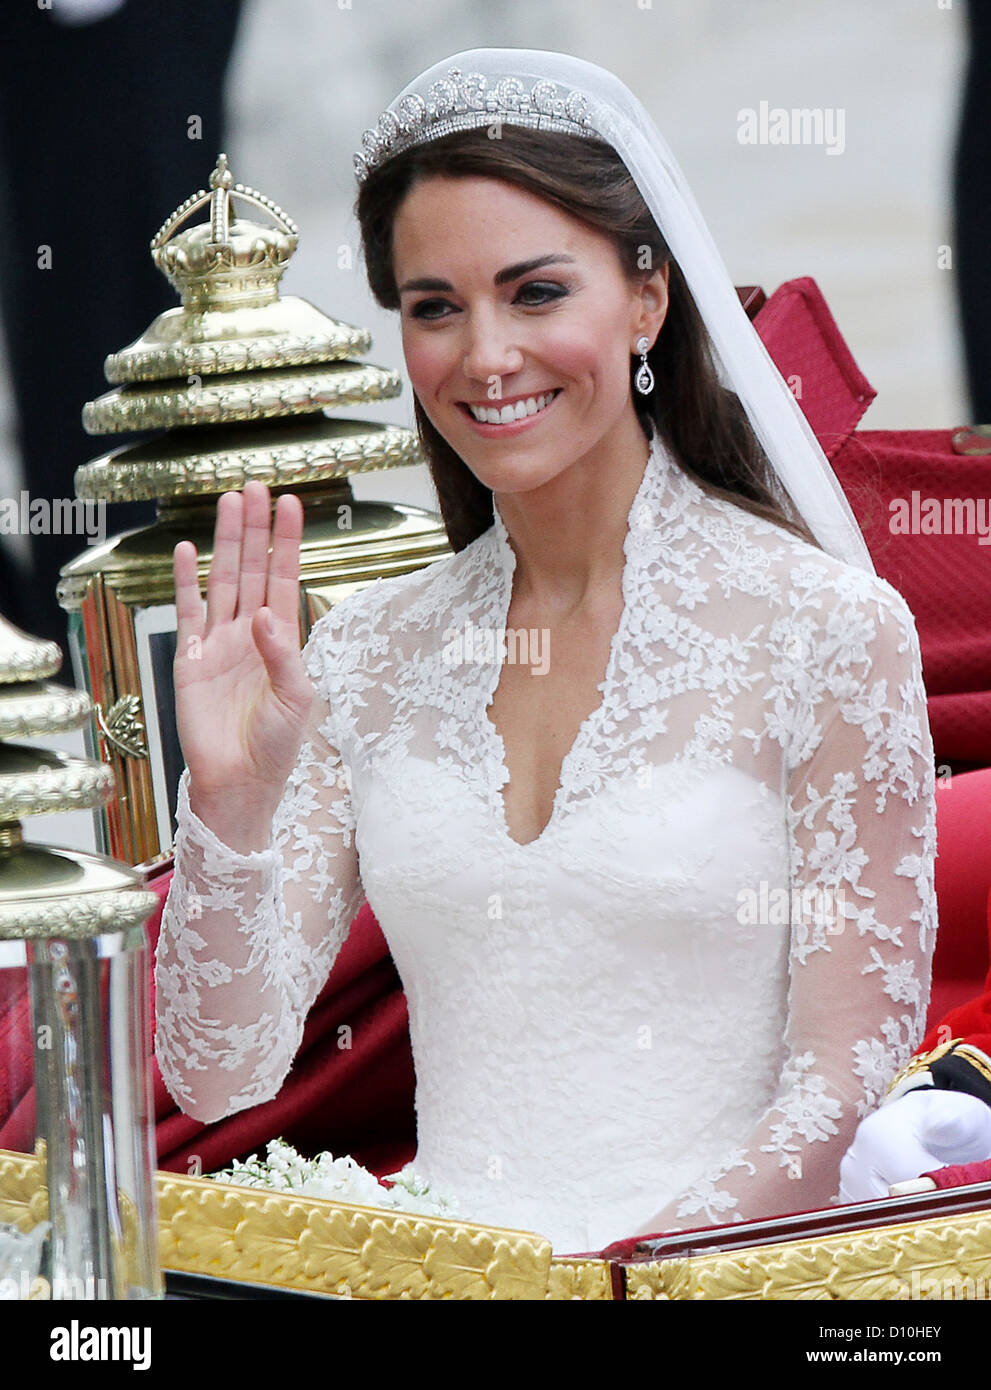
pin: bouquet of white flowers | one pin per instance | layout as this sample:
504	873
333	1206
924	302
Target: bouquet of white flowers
337	1180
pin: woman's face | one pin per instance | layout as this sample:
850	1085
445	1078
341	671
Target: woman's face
510	305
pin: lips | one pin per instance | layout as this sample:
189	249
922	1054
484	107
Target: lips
523	408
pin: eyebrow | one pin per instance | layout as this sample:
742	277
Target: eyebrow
501	277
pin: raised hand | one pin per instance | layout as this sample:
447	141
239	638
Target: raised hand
242	693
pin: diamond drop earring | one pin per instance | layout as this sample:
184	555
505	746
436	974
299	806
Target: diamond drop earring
644	379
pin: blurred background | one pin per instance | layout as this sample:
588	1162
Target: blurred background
112	113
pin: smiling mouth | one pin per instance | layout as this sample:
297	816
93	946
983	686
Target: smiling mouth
509	414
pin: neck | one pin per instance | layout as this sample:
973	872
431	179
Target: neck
568	535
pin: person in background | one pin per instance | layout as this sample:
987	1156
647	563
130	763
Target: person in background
110	111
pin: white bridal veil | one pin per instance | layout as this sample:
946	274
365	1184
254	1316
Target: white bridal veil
545	90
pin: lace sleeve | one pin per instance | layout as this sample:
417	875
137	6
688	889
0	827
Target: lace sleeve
247	940
862	838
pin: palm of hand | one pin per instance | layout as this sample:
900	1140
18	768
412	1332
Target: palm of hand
242	694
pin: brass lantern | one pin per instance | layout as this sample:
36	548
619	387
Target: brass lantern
75	1050
239	379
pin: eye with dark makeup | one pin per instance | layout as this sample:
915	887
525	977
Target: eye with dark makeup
546	292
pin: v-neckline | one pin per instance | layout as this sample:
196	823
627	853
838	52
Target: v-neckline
491	735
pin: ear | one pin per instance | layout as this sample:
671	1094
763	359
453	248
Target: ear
652	304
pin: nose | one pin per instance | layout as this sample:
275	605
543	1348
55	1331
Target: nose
490	348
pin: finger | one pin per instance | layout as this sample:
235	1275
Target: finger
860	1185
282	594
255	511
282	661
911	1186
188	602
859	1178
225	566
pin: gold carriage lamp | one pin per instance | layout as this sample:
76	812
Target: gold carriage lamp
239	381
75	1048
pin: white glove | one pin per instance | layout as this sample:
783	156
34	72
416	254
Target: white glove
924	1129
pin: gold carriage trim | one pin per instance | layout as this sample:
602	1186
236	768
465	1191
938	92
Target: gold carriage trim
279	1239
920	1259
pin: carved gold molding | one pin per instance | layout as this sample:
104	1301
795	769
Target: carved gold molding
572	1277
34	708
226	355
124	727
216	400
23	1194
326	450
892	1262
25	658
334	1248
75	918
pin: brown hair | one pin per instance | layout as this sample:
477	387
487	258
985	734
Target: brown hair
700	421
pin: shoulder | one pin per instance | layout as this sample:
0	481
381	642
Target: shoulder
846	656
839	642
817	590
846	604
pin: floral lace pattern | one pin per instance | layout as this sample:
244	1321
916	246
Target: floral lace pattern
672	1007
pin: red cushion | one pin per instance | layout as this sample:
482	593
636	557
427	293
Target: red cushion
945	579
963	875
963	890
968	1017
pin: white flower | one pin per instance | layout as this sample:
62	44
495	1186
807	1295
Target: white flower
337	1180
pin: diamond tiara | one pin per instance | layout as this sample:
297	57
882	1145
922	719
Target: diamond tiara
462	101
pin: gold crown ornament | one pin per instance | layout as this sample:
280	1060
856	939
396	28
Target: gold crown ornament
235	351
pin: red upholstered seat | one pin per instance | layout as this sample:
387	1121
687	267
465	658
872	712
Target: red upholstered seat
944	578
963	891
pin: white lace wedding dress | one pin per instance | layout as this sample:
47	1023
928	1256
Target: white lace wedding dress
632	1016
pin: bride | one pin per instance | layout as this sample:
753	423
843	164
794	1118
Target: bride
638	781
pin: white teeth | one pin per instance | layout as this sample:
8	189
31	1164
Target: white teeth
490	416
